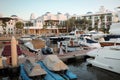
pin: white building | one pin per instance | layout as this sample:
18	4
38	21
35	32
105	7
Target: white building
9	23
52	21
47	21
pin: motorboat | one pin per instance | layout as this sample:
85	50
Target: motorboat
44	50
57	68
113	38
73	34
70	44
96	34
84	41
110	40
88	42
107	57
30	46
25	38
31	71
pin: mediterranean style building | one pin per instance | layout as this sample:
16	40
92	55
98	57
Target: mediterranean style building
7	24
47	23
51	23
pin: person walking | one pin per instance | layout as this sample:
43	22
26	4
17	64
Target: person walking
61	49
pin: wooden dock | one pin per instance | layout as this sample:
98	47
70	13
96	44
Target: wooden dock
69	55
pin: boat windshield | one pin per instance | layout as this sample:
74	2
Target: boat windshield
90	41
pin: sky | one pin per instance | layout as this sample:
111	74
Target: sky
24	8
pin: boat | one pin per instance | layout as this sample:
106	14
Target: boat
70	44
96	34
73	34
107	58
114	37
86	41
30	46
55	39
25	38
56	68
24	75
44	50
110	40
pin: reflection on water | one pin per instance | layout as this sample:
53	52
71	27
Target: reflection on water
85	72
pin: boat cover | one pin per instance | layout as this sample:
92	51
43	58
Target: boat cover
33	69
29	45
53	63
38	43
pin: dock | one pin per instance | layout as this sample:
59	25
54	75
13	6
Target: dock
66	56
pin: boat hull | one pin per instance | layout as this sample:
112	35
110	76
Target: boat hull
108	44
107	58
105	66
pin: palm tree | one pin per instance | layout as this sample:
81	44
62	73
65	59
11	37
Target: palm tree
102	23
96	24
70	24
51	23
67	25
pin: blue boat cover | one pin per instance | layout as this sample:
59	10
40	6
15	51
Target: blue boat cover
24	76
54	75
23	73
67	76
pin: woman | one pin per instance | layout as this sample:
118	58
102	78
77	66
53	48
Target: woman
61	49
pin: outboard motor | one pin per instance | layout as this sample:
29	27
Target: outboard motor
44	51
48	50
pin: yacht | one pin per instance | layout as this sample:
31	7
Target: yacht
73	34
107	57
86	41
114	37
110	40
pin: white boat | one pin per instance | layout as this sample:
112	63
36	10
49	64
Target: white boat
70	44
113	37
73	34
110	40
106	57
79	43
96	34
25	38
88	42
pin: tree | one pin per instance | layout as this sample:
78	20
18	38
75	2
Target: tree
70	24
19	27
51	23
